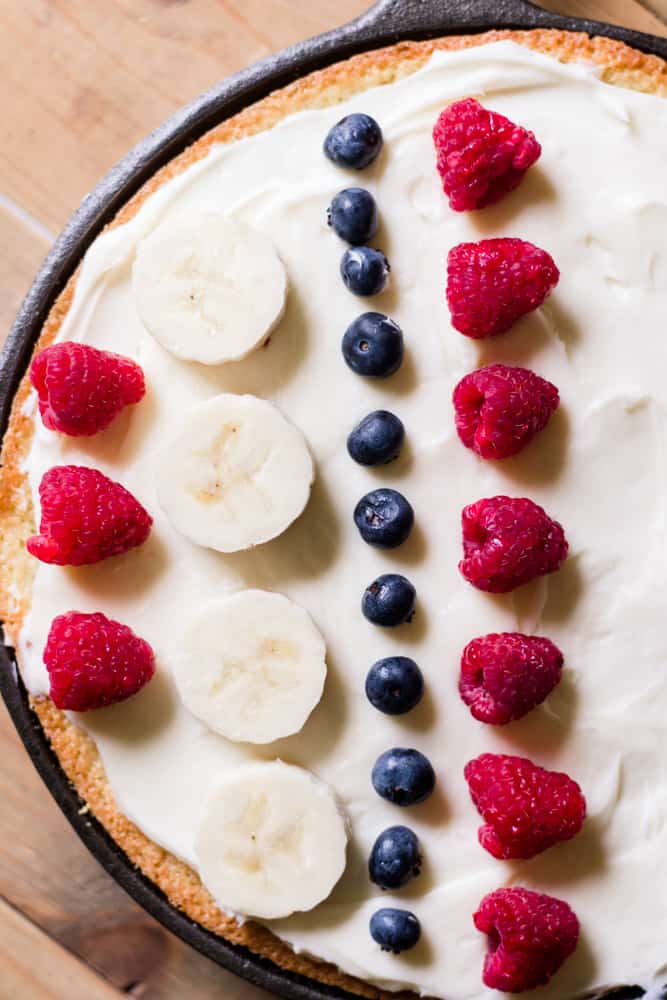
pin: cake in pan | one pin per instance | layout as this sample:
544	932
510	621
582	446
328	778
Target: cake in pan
351	567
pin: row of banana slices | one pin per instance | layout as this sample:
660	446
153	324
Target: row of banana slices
272	838
238	472
251	665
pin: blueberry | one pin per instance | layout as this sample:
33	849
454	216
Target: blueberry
389	600
395	930
353	215
377	439
373	345
384	518
395	858
394	685
354	141
364	270
403	777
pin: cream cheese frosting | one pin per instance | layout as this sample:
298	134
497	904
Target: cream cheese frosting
597	202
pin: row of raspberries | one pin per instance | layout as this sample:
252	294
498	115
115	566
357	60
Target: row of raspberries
85	516
526	809
481	156
92	661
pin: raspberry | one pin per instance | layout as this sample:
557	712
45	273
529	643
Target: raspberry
81	389
491	284
481	155
525	808
530	936
94	661
86	517
508	541
499	409
504	675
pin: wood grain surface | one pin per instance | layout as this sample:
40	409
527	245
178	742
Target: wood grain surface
83	80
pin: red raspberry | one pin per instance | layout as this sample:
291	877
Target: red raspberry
491	284
481	155
504	675
94	661
508	541
86	517
525	808
82	389
530	936
499	409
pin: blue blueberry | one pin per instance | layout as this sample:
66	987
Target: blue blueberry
377	439
354	141
394	685
389	600
403	777
373	345
395	930
364	270
384	518
395	858
353	215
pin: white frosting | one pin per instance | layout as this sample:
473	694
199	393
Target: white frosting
597	201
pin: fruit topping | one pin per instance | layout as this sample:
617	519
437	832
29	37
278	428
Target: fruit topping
93	661
525	808
389	600
81	389
364	270
403	776
505	675
354	141
499	409
529	937
481	155
508	541
353	215
86	517
491	284
384	518
373	345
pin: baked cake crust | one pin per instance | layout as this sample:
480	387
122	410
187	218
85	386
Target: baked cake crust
620	65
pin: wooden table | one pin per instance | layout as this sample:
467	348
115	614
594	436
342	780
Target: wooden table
83	82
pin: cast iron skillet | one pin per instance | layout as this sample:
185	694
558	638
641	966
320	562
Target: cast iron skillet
386	22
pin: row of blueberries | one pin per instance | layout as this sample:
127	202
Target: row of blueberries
373	346
354	143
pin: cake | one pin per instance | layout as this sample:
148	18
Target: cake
145	767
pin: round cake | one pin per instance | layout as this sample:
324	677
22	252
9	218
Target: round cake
346	711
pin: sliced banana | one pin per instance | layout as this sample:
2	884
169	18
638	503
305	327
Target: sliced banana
251	666
236	474
271	841
208	288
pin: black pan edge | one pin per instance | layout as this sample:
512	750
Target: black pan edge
388	21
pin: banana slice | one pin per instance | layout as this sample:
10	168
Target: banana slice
208	288
236	474
251	666
271	841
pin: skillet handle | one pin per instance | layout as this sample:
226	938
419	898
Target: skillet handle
391	20
404	16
